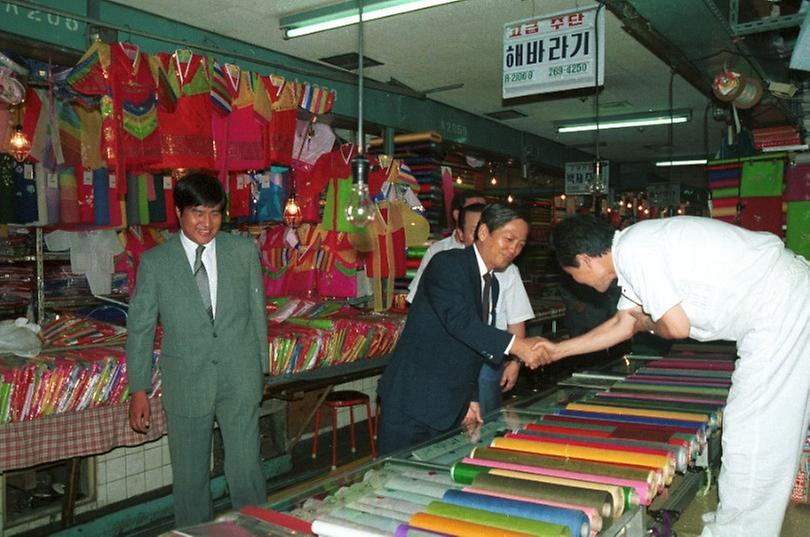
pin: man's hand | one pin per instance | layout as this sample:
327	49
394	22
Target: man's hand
472	422
531	351
644	322
510	375
139	412
473	417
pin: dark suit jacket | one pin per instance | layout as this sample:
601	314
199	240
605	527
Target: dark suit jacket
433	373
193	348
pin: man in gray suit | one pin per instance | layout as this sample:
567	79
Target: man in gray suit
205	288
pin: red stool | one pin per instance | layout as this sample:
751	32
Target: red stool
344	399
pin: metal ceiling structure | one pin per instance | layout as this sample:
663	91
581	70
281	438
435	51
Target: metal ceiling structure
440	68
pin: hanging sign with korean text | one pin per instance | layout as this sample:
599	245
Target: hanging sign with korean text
555	52
579	178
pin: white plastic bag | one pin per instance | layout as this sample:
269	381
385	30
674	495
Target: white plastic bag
20	337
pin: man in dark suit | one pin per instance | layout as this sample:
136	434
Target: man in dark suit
206	289
431	384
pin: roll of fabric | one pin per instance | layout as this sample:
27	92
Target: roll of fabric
393	504
459	528
383	523
643	489
589	454
405	530
630	473
325	526
597	499
594	518
642	420
417	486
677	454
629	411
654	397
576	521
498	520
621	497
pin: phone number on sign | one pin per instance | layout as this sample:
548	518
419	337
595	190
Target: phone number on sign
564	70
521	76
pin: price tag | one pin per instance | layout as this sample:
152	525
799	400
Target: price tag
28	171
53	181
87	178
112	180
167	182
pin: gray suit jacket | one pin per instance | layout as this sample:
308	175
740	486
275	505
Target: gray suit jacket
195	353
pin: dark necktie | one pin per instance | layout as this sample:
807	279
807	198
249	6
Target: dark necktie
486	297
201	278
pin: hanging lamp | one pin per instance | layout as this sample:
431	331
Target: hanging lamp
360	209
19	146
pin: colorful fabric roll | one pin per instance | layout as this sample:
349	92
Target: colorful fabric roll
498	520
595	499
576	521
643	489
327	527
405	530
459	528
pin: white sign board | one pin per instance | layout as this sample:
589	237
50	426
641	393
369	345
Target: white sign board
664	194
556	52
579	178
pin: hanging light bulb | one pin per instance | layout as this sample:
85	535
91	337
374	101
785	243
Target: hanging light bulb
292	216
458	180
19	145
360	209
510	199
494	181
562	197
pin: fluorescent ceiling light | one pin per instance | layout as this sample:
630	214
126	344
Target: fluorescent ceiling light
347	13
623	121
683	162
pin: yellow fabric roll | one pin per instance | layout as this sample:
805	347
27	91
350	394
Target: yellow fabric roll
615	491
647	460
459	527
649	413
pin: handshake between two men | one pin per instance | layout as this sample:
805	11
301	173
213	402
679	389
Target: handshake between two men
534	351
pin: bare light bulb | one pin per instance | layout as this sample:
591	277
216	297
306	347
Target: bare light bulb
458	180
494	181
360	209
292	216
510	199
18	144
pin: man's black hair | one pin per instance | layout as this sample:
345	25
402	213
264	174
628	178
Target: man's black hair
496	215
473	208
581	234
461	197
198	189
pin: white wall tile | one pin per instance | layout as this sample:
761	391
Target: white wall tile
153	458
116	490
135	485
116	469
153	479
167	475
135	463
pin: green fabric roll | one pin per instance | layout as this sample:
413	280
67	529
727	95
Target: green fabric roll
417	251
731	192
497	520
465	473
599	500
554	463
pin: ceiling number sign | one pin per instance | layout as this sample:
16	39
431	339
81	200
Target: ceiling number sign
554	52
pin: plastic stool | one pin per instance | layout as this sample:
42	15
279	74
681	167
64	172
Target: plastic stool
335	401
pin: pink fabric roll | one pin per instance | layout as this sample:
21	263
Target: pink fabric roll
644	490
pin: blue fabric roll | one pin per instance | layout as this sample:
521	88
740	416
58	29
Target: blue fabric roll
575	520
632	419
101	197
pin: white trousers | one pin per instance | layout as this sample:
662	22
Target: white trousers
766	417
